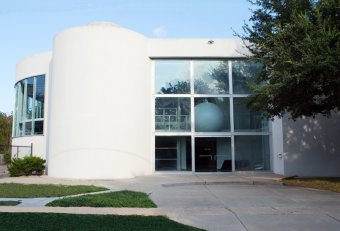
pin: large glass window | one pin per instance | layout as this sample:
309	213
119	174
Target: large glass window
39	127
172	77
29	97
39	98
246	120
29	106
211	77
173	153
21	108
199	114
172	114
212	114
213	154
244	72
252	153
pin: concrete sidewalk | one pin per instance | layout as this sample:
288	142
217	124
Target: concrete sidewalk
240	202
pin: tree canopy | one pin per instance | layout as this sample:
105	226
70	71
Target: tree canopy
298	43
5	128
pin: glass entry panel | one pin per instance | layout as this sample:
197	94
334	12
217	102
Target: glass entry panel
252	153
213	154
173	153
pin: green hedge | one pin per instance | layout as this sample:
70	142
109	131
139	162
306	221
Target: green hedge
29	165
8	157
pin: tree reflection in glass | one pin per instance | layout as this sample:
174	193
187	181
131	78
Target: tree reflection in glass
244	75
172	77
211	77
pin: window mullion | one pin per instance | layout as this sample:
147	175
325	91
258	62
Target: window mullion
33	104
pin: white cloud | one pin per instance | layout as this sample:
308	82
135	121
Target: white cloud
159	31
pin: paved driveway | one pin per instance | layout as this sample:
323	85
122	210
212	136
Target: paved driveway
224	202
252	207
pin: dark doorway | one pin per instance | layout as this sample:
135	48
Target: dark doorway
205	154
213	154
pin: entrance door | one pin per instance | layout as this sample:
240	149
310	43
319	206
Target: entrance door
205	154
213	154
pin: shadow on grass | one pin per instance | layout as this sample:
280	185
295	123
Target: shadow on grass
9	203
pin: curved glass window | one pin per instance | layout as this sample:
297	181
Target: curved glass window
29	106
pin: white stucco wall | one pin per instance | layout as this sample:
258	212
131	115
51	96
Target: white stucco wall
276	146
100	105
38	148
311	146
32	66
196	48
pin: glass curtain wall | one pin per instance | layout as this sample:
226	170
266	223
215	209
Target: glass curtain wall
29	106
202	102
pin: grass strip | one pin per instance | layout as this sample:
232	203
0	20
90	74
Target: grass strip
118	199
323	183
44	190
74	222
9	203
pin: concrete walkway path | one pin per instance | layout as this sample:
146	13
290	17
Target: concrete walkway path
235	202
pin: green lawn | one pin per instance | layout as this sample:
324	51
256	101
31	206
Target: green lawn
324	183
74	222
44	190
9	203
112	199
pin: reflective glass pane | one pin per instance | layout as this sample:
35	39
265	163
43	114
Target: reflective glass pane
212	114
244	72
29	98
28	128
19	108
213	154
21	100
172	114
39	97
21	129
252	153
246	120
173	153
211	77
172	77
39	127
16	110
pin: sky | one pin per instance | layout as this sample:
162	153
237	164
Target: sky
29	26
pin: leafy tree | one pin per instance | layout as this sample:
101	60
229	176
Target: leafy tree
298	43
5	128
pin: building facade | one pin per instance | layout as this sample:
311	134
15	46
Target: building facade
109	103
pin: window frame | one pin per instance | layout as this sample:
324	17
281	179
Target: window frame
192	95
20	110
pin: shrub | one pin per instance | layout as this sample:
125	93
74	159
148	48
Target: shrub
7	157
29	165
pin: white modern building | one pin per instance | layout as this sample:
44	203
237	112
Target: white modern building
108	103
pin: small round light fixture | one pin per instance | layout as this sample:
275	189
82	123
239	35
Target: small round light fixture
210	42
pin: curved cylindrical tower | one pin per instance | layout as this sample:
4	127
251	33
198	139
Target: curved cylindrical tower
100	107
